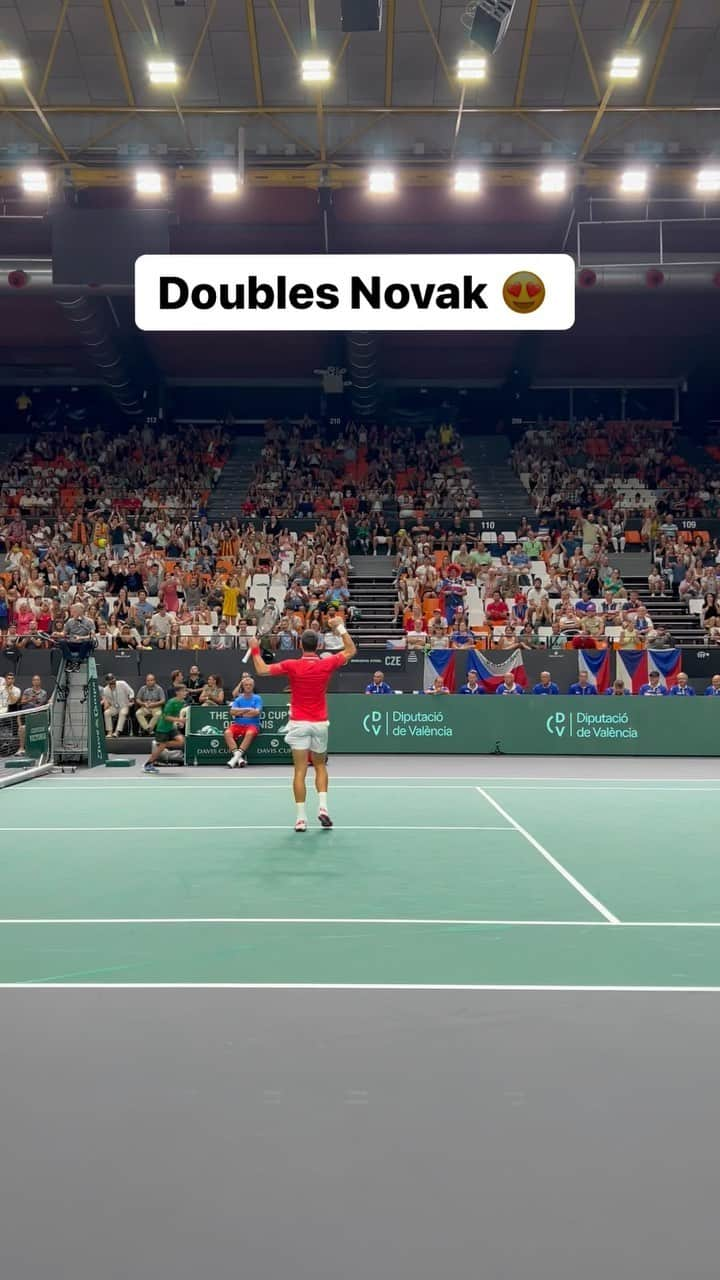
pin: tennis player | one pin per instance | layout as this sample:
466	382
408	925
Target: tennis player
307	731
170	728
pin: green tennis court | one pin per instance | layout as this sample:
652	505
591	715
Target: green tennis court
424	881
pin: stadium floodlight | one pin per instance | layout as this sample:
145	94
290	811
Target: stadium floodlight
381	182
487	21
553	182
708	180
625	66
471	68
163	73
634	182
316	70
10	69
467	182
224	182
149	182
35	182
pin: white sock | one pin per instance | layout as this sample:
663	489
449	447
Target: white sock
322	800
301	812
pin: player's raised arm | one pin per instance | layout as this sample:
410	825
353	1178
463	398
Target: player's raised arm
259	663
349	647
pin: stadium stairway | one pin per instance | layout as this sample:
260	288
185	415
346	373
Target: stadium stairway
237	475
501	495
372	592
634	567
684	627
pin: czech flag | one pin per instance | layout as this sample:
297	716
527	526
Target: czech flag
491	674
440	662
597	666
668	662
632	667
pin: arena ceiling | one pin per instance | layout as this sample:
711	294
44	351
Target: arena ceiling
394	94
87	111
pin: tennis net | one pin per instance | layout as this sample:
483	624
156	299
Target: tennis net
25	744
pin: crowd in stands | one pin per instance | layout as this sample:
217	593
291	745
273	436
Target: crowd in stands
541	590
550	581
108	536
621	468
110	532
370	474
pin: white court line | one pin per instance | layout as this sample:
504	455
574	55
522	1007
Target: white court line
580	888
39	984
268	786
556	786
672	785
271	773
249	827
366	920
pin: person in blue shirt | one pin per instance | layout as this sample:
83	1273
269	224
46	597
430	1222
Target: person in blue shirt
518	558
452	592
582	686
438	687
546	685
654	689
617	690
473	684
585	604
244	727
509	685
713	689
461	637
683	688
378	684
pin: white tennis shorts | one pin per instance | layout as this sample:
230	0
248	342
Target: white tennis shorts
308	735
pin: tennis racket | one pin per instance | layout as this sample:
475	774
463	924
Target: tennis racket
267	618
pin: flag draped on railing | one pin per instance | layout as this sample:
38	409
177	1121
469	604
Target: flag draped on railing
635	665
491	673
596	663
440	662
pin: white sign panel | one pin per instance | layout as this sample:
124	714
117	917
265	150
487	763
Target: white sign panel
384	292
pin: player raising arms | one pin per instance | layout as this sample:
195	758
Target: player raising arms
309	677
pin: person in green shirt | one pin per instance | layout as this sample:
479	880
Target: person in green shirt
532	546
170	728
480	556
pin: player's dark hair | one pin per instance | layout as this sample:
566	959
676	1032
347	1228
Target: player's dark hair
309	641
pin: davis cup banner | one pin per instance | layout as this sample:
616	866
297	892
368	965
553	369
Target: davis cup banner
383	292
